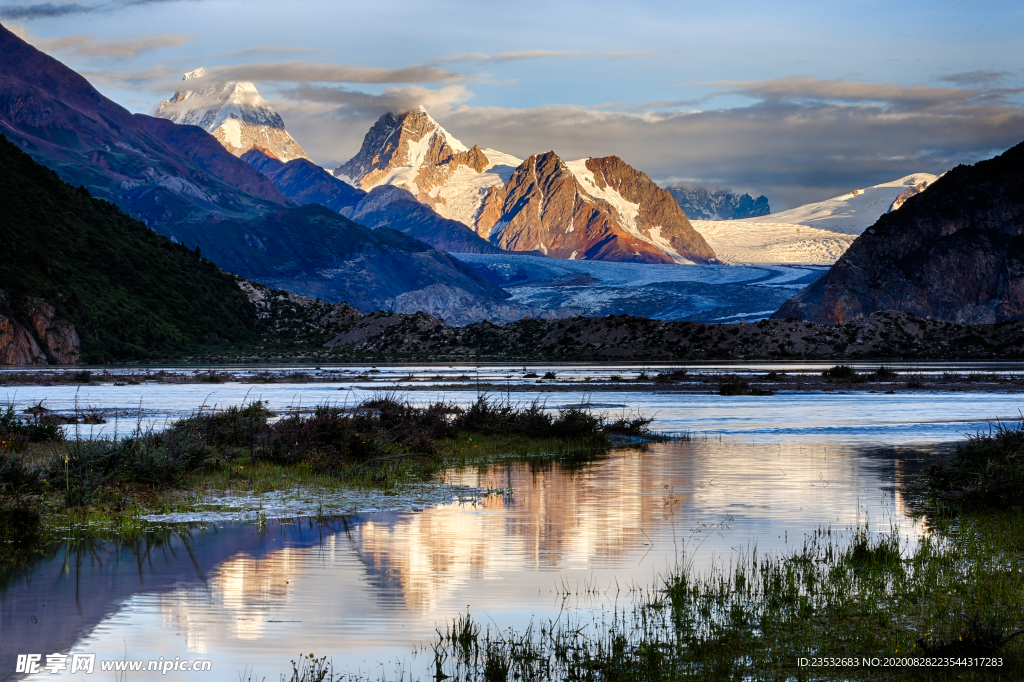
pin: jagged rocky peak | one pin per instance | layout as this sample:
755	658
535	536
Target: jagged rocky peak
399	141
412	151
234	113
593	209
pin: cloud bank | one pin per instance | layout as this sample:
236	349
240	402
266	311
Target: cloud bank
801	139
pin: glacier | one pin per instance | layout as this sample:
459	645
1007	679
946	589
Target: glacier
707	293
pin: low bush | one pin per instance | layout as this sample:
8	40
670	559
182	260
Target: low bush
914	381
840	373
236	426
671	375
16	434
986	471
147	458
333	436
491	417
15	476
629	425
884	373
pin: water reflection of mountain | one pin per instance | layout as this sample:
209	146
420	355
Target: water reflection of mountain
62	598
608	514
356	582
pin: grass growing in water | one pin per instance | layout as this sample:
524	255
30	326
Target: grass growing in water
958	594
986	472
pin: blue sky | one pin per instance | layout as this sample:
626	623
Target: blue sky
797	100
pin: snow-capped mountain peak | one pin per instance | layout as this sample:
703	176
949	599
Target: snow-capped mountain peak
234	113
413	151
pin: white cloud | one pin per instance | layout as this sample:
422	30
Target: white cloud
104	46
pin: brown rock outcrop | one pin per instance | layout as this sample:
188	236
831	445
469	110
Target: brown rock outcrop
48	340
612	212
57	336
17	347
953	252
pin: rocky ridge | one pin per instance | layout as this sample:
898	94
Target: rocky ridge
234	113
314	251
954	251
383	206
591	208
457	307
157	171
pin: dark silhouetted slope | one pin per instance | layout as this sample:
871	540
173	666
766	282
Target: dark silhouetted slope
952	252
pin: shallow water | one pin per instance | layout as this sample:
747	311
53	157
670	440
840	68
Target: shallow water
369	590
899	418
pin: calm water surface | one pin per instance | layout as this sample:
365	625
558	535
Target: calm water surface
369	590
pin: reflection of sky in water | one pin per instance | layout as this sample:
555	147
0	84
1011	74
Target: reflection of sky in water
369	593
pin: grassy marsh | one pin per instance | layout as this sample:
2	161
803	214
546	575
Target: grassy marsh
382	444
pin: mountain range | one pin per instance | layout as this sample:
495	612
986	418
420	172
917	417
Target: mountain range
305	183
155	170
218	173
594	209
700	203
181	182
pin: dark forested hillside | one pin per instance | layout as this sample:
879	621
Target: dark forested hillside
129	292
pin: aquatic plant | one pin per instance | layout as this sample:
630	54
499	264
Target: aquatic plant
858	602
987	471
16	433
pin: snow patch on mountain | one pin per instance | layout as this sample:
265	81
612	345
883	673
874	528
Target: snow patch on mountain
628	211
849	213
463	194
737	242
814	234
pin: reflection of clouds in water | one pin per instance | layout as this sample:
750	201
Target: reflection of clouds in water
554	520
